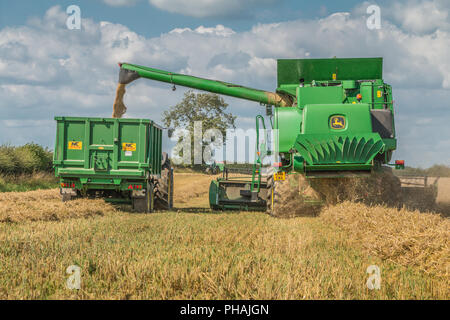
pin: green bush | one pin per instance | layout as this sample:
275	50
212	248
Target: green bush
8	161
25	159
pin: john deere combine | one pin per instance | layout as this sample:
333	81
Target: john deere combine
332	118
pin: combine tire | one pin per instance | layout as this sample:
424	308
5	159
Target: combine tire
292	197
391	188
164	186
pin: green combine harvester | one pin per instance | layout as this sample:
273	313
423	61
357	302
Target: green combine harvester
333	119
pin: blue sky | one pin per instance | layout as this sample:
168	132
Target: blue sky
48	70
149	20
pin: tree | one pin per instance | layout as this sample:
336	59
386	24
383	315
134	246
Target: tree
209	108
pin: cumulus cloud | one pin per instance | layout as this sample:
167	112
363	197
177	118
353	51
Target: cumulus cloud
120	3
210	8
421	16
48	70
218	30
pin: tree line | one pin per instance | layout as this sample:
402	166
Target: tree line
25	159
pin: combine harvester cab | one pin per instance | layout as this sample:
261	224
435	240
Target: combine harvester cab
343	120
119	160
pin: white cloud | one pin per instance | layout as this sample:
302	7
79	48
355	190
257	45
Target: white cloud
218	30
120	3
210	8
48	70
421	16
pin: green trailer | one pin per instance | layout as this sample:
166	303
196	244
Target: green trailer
120	160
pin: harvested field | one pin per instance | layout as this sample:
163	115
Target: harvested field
196	254
191	189
409	238
46	205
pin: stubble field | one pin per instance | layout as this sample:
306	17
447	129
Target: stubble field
193	253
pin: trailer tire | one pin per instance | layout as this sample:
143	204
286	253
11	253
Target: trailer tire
67	197
164	186
145	204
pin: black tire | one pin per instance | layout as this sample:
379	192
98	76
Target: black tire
391	193
67	197
146	203
290	198
270	195
164	186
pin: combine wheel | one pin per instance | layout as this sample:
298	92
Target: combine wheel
391	188
292	197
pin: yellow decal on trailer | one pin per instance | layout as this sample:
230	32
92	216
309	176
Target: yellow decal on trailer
379	94
129	146
75	145
279	176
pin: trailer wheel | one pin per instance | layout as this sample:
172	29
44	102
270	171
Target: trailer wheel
67	197
164	186
145	204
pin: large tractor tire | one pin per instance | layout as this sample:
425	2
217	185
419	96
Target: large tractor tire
292	197
298	196
388	188
145	204
381	187
164	186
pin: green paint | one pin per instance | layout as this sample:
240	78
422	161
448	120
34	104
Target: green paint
106	153
325	115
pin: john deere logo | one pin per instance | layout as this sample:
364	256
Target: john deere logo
337	122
